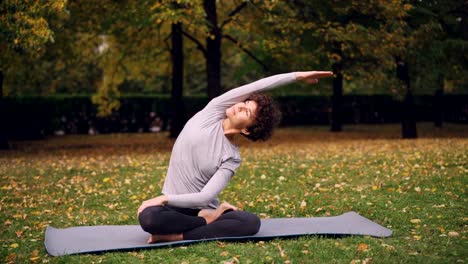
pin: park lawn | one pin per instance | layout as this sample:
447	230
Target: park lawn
417	188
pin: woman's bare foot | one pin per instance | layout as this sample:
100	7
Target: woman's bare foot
211	215
164	238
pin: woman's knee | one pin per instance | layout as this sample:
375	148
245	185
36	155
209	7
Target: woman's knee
149	220
254	224
250	223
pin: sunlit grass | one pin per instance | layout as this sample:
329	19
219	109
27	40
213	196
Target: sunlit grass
415	187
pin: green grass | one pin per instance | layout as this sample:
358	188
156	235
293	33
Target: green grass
415	187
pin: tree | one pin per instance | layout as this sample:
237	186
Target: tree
177	13
213	49
131	48
203	23
195	19
178	114
25	30
360	38
233	22
408	119
438	54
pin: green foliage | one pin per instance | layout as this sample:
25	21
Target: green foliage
365	36
438	53
26	28
130	49
274	29
102	46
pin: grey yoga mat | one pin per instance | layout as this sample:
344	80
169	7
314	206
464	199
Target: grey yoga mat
95	239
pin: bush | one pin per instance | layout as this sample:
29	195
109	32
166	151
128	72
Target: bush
34	117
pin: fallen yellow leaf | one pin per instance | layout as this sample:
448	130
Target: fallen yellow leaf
11	258
303	204
363	247
389	247
281	251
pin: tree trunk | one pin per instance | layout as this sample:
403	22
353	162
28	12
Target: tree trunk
408	125
3	134
337	98
213	50
1	84
438	106
408	121
178	114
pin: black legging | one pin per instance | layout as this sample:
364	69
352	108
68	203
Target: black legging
165	220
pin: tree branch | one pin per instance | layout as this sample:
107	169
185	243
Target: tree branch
199	45
246	51
233	13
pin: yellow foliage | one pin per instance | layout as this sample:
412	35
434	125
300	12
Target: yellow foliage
30	30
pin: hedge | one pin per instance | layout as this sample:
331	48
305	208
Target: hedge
33	117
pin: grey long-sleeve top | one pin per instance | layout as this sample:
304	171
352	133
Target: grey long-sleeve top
203	160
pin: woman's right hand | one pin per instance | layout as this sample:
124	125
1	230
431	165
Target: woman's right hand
158	201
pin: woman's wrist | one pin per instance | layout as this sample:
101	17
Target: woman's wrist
164	199
298	76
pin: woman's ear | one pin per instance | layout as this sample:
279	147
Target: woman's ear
245	131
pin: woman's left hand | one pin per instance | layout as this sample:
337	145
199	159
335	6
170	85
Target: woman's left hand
158	201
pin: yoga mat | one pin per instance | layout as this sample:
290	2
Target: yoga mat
95	239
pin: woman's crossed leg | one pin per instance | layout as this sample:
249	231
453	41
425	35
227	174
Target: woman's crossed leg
167	223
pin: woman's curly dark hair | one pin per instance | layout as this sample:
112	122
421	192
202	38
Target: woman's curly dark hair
267	117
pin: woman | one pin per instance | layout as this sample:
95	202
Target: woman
204	159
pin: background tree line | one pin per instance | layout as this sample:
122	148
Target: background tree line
184	47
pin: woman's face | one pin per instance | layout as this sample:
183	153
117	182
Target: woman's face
242	114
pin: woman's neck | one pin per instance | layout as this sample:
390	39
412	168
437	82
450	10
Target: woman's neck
229	131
